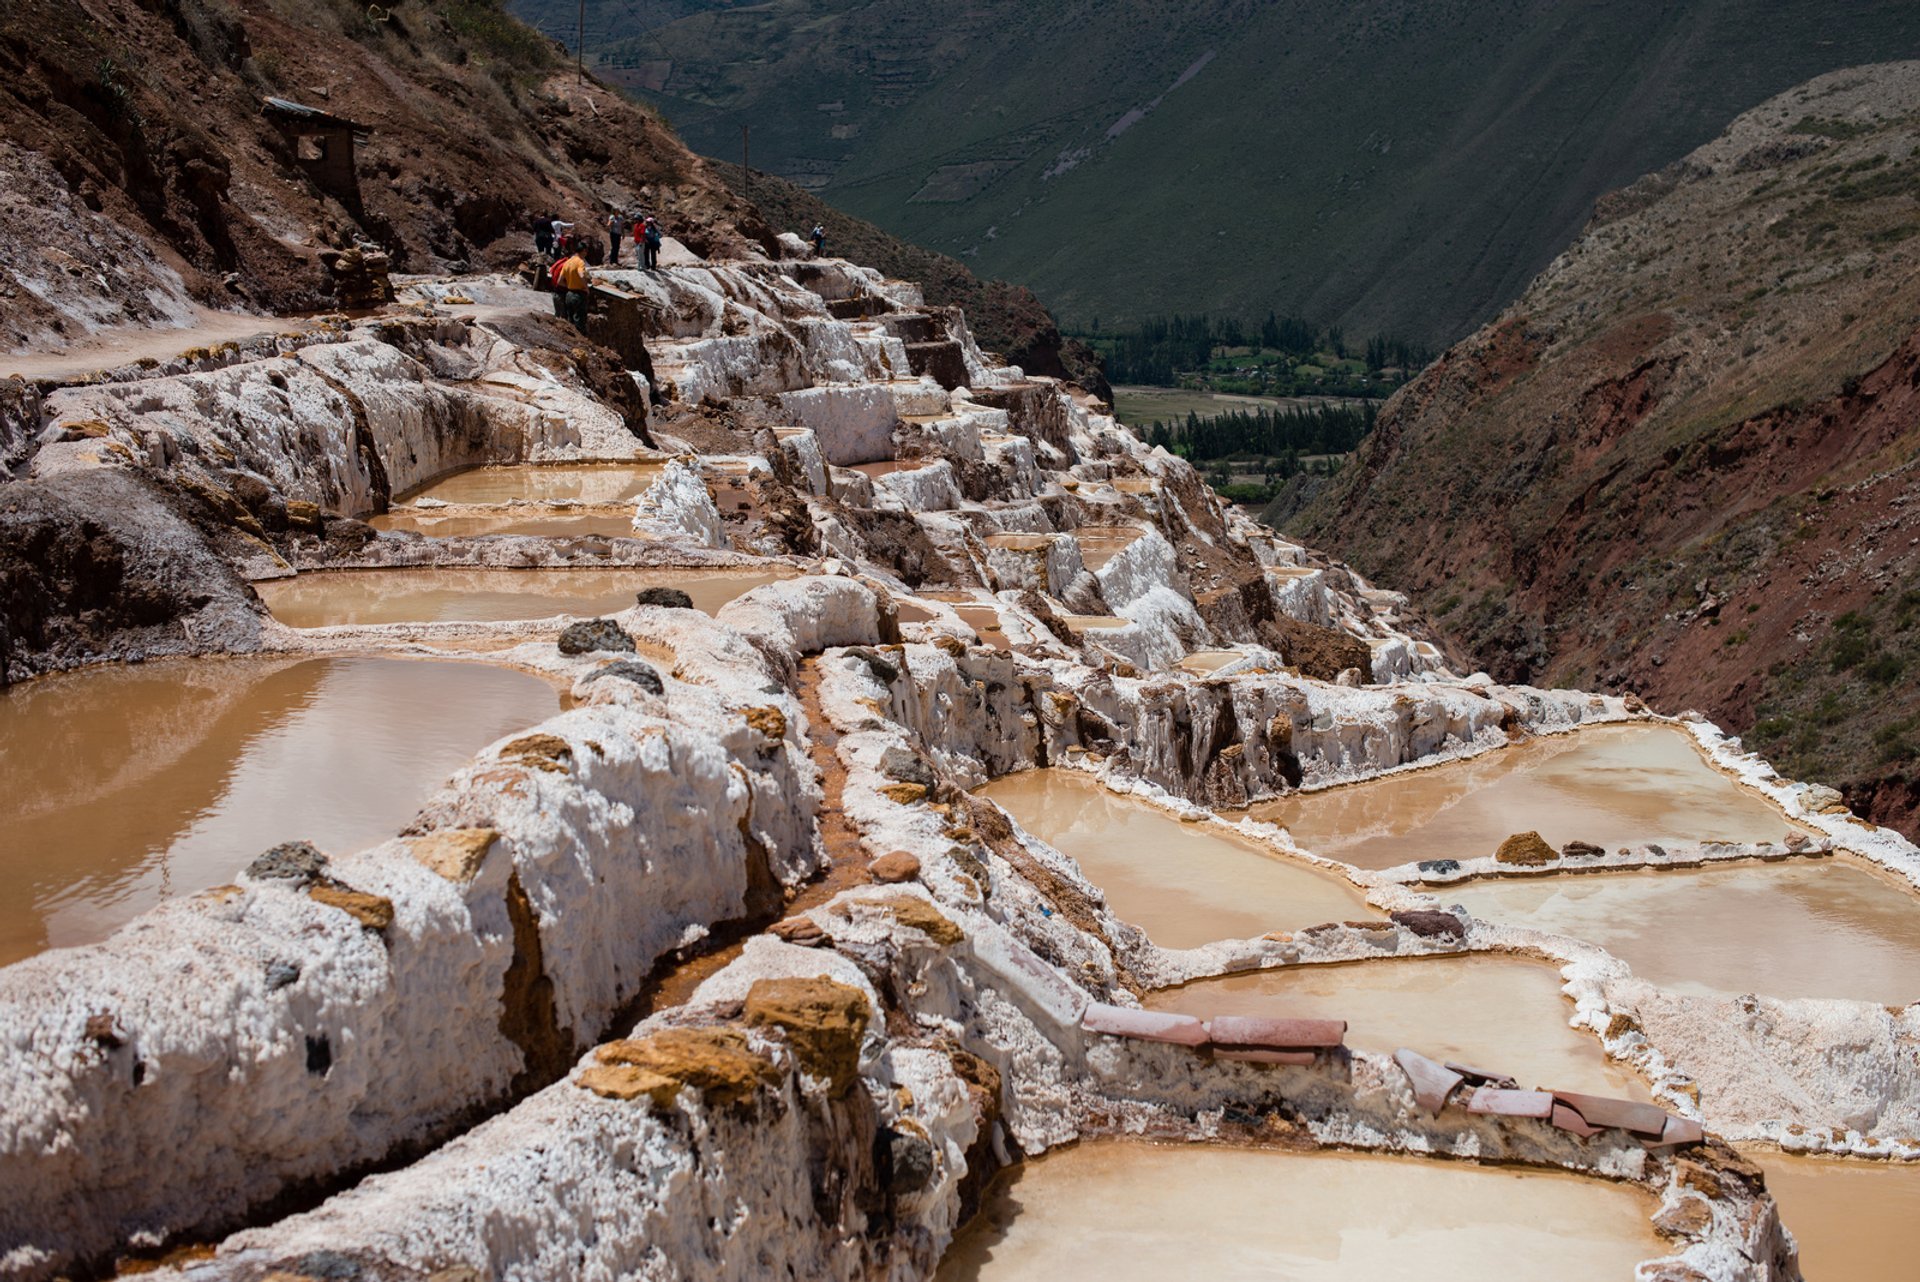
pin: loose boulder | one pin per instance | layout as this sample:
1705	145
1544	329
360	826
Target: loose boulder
1525	849
589	635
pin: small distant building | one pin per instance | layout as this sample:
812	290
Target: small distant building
323	145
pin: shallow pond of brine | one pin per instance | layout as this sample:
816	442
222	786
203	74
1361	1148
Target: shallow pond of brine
1608	785
1827	929
1134	1212
1503	1014
331	597
1184	884
1855	1221
542	483
127	785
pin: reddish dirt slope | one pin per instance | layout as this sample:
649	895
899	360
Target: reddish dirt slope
1687	461
149	112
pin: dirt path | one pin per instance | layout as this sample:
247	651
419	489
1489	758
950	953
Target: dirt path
846	855
125	344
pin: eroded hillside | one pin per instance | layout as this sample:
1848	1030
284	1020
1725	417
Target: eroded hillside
1685	461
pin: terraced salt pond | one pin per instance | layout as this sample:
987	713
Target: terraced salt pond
1827	929
542	483
1855	1221
1184	884
128	785
441	594
1608	785
1131	1211
565	500
1504	1014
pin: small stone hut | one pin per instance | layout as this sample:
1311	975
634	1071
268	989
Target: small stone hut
323	145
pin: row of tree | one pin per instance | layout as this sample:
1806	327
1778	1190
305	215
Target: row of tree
1163	348
1297	431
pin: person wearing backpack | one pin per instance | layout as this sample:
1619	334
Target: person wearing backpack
819	238
650	249
572	279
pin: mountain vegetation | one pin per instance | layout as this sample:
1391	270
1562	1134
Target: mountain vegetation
1382	165
1687	461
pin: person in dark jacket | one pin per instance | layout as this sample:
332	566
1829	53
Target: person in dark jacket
651	236
543	235
819	238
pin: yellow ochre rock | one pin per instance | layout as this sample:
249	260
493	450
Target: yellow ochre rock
454	853
1526	849
823	1020
716	1062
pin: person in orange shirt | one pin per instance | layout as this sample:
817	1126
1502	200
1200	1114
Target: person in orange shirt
573	279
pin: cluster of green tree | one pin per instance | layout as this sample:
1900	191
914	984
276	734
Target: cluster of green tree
1281	356
1295	432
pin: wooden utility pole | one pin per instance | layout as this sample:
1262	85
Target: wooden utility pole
580	47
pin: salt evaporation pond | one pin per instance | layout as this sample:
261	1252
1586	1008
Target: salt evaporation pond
1827	929
128	785
542	500
1504	1014
542	483
1184	884
443	595
1608	785
1855	1221
1122	1211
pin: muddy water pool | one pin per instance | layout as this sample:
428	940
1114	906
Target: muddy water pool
128	785
1184	884
1856	1221
443	595
542	483
1124	1211
1503	1014
546	523
1826	929
1608	785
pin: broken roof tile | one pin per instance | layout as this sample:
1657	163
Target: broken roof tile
1509	1103
1598	1110
1433	1082
1281	1034
1144	1025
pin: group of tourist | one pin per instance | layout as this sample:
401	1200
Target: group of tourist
562	264
562	261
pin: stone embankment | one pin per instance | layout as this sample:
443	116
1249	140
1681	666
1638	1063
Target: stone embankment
978	572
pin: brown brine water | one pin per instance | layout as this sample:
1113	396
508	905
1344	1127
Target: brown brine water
331	597
1502	1014
536	522
1827	929
1855	1221
128	785
1135	1212
542	483
1184	884
1608	785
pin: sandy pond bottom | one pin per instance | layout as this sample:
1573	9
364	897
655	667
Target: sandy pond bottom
1125	1211
1855	1221
1827	929
331	597
1499	1013
127	785
1609	785
1184	884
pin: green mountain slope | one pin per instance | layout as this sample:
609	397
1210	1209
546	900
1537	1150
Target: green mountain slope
1381	164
